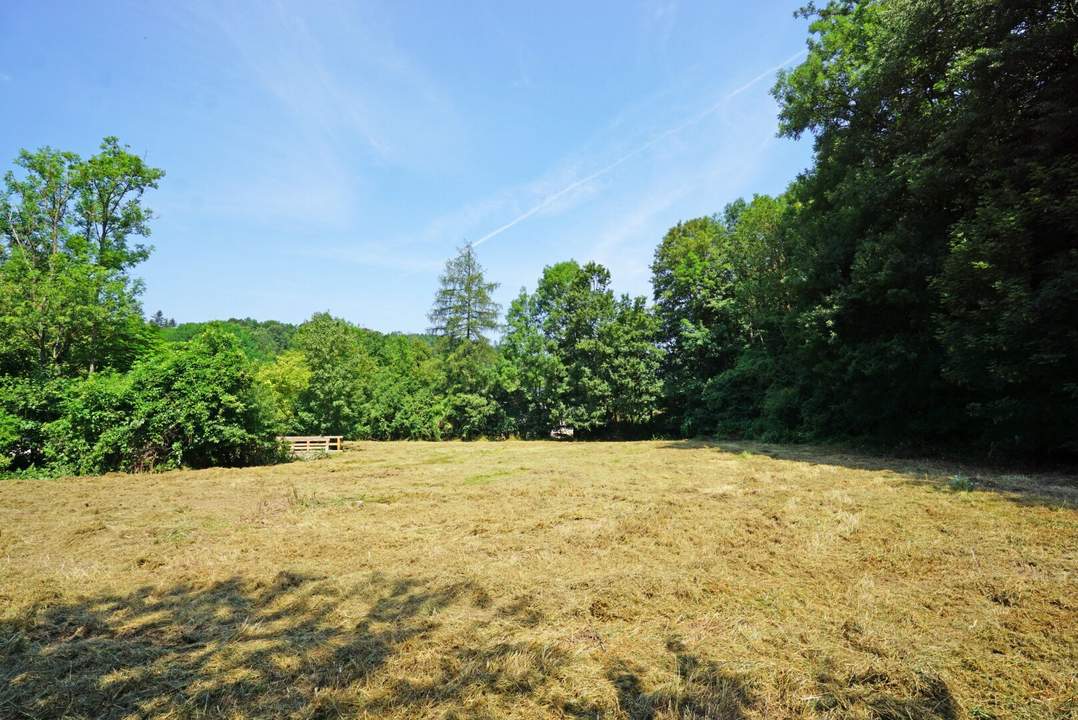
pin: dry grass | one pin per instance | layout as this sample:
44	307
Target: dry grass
630	580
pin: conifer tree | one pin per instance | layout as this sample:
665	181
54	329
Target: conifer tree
463	309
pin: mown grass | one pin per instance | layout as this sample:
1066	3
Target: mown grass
574	580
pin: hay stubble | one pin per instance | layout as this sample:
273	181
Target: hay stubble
620	580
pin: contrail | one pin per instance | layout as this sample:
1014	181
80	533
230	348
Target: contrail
636	151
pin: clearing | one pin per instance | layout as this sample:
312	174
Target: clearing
541	579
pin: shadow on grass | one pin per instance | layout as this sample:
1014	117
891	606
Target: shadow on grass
1054	489
702	690
293	648
229	649
920	697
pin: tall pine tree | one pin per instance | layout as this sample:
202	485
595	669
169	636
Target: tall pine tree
463	309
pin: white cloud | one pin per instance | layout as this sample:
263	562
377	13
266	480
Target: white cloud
659	19
341	72
571	187
344	101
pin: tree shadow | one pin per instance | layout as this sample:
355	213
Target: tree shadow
1016	483
231	648
920	696
701	690
304	647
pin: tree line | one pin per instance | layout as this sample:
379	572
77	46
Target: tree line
917	285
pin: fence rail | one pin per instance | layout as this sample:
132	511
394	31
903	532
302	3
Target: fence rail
300	444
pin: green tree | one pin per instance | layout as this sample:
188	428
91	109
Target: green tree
535	403
406	397
339	387
477	379
693	286
937	229
193	405
630	361
463	309
36	208
287	378
68	317
158	319
67	304
109	209
583	359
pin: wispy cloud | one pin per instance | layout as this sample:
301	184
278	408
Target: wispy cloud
340	71
638	150
626	239
660	18
337	101
626	227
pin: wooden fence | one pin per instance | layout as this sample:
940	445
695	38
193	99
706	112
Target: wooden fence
302	444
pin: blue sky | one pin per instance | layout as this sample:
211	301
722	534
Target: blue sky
331	156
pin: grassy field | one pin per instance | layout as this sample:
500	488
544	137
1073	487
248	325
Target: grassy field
521	580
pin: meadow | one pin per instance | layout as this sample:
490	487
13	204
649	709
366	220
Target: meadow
661	579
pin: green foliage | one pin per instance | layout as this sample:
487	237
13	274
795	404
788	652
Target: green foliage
942	216
476	381
261	340
918	283
584	359
539	372
10	434
196	405
27	405
404	399
722	293
463	309
340	370
90	434
692	283
67	304
158	319
287	378
192	405
66	316
88	209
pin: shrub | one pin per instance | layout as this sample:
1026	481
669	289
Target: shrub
27	405
197	406
287	377
193	405
83	439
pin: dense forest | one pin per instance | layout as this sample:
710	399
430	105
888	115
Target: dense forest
916	286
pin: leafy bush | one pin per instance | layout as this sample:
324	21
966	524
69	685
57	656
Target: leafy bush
287	377
194	405
83	440
197	406
27	405
9	437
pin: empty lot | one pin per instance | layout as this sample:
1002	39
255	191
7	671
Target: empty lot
540	579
